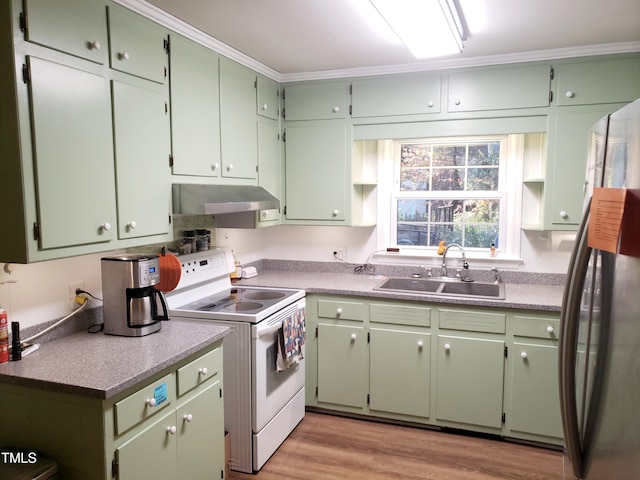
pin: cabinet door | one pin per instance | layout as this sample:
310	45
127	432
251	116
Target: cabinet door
269	168
152	453
195	109
77	27
268	98
341	362
316	101
141	133
500	88
568	161
201	435
316	172
605	81
470	377
414	95
399	366
238	127
73	150
535	401
136	45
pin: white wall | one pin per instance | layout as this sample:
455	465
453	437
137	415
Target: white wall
39	292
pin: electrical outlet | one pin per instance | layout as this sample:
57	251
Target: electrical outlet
73	286
339	254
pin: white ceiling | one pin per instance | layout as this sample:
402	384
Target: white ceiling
299	39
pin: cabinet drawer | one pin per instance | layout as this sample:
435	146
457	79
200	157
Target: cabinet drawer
536	327
199	371
342	310
400	314
138	406
472	321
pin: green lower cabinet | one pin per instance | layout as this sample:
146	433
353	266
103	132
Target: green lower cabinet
155	443
535	406
399	371
469	381
341	365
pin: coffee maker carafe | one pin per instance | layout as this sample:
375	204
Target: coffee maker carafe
132	306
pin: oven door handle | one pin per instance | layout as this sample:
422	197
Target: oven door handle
269	329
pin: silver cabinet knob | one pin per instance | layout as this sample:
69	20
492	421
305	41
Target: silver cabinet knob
172	430
123	55
336	212
457	101
151	402
353	336
95	45
430	103
264	106
188	417
420	344
549	329
564	214
338	311
132	224
229	167
569	94
106	226
447	347
215	166
524	355
336	109
203	371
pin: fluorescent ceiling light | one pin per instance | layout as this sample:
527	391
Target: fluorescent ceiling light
429	28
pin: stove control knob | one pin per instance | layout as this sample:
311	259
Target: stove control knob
188	417
203	371
151	402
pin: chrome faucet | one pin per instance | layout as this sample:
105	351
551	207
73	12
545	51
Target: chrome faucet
465	265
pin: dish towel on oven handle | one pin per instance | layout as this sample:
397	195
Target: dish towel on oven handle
291	338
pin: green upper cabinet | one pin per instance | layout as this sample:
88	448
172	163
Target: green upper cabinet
137	46
410	95
76	27
141	138
568	149
270	168
268	98
316	101
500	88
195	109
316	172
73	155
598	81
238	125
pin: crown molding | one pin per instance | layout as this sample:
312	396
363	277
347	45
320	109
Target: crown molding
169	21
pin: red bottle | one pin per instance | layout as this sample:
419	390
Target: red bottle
4	336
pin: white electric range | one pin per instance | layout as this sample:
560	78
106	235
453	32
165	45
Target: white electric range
262	404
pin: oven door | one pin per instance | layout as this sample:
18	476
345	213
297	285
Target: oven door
272	389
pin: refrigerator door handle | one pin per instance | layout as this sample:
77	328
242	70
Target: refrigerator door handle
568	343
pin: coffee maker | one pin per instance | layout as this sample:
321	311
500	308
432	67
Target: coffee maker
132	306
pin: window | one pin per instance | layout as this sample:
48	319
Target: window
450	190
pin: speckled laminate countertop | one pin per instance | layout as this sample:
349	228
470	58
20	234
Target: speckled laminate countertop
101	366
518	296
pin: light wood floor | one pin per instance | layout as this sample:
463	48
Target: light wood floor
328	447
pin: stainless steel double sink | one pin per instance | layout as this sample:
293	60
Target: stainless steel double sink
444	286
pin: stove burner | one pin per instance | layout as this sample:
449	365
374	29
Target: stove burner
242	306
263	295
208	306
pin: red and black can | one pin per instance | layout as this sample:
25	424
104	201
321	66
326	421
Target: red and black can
4	336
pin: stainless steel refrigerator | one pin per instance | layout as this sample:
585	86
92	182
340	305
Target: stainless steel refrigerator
599	355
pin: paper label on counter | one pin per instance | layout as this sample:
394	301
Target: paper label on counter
615	221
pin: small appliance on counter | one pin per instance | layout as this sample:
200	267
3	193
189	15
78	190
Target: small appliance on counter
133	307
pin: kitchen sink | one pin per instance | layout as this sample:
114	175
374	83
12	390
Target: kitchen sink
447	287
